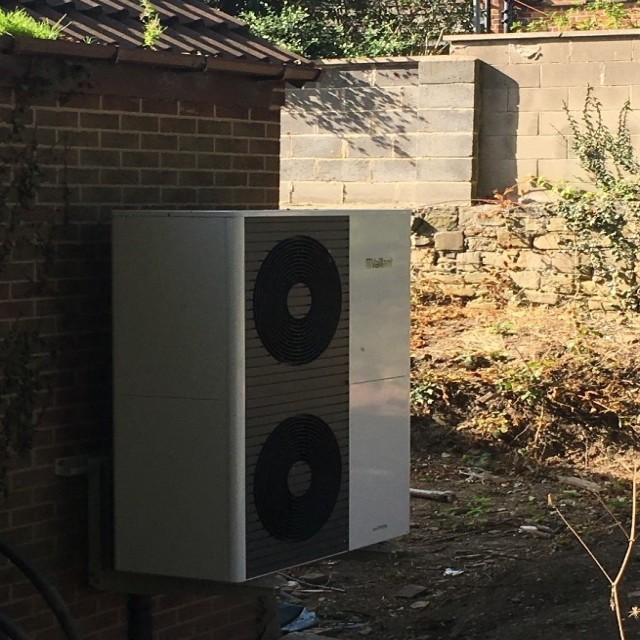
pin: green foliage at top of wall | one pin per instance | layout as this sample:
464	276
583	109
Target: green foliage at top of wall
353	28
593	15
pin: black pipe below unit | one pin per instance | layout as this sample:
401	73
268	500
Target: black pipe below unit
10	630
46	590
140	618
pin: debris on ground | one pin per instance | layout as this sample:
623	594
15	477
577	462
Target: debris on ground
295	617
541	383
433	494
411	591
580	483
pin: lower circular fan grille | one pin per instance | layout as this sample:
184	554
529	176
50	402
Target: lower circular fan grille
301	452
291	336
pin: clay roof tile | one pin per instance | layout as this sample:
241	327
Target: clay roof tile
190	27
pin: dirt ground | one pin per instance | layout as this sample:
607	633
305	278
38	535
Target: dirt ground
516	584
498	563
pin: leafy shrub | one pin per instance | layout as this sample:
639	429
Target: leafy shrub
293	28
594	15
152	28
605	221
353	28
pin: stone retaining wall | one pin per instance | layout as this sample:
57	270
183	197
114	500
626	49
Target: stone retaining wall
476	252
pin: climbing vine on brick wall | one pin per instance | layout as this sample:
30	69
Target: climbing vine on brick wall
21	173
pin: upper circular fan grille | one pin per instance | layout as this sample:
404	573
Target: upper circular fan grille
297	300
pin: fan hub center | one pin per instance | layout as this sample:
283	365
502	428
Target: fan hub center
299	300
299	478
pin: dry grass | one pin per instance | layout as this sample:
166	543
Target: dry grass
536	381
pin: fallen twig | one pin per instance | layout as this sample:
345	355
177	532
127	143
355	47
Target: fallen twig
323	587
533	530
430	494
580	483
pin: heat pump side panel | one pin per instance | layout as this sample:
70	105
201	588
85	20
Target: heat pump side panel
379	267
178	463
171	288
379	378
379	461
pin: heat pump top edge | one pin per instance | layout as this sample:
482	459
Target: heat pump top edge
250	213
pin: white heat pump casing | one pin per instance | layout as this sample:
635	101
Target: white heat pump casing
378	377
181	387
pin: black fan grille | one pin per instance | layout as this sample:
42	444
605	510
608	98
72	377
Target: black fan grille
287	513
286	335
297	412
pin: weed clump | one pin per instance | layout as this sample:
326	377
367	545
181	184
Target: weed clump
19	23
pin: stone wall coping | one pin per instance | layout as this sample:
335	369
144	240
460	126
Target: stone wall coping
409	61
473	38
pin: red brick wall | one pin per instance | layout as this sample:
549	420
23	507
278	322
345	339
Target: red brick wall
495	7
101	152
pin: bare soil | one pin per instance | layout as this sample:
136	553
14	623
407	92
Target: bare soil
484	576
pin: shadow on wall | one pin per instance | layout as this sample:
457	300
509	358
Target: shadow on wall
498	128
374	108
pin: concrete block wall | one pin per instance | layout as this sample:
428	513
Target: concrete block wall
525	79
396	133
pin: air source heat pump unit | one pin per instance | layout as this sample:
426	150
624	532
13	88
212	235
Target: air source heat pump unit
261	388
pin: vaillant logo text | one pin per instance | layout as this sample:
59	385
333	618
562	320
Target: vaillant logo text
379	263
